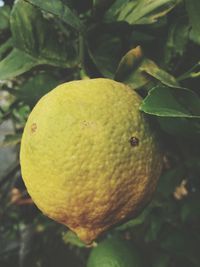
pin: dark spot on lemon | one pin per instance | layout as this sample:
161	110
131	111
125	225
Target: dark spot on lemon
134	141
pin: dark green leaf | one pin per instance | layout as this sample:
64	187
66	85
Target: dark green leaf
167	102
38	37
16	63
58	8
33	89
4	17
139	11
105	52
181	127
193	9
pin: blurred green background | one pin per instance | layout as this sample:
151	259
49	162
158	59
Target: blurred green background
45	43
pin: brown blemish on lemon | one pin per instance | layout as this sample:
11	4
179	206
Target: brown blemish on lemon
33	127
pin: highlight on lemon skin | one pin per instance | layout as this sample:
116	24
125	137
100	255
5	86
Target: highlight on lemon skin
89	158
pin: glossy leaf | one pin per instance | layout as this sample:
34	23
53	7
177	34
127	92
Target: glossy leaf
166	102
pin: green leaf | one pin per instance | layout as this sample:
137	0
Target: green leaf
152	69
37	36
33	89
193	9
16	63
4	17
58	8
134	67
139	11
168	102
5	47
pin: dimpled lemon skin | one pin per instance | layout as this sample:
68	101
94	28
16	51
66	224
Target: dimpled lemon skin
89	158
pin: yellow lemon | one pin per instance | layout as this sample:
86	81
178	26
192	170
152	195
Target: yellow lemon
89	157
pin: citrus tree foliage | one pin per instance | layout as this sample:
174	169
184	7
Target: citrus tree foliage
153	46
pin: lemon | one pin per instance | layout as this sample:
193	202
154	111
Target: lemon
114	252
89	157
